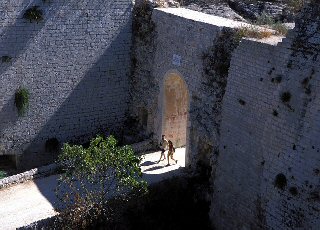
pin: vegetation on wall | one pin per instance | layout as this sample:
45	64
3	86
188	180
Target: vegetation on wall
297	5
269	22
252	32
142	23
264	27
92	176
3	174
142	60
21	100
216	62
6	58
33	14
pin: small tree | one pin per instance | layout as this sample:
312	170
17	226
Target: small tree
92	177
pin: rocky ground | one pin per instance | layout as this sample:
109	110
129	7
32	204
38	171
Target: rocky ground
241	10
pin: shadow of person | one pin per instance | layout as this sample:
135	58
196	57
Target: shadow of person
148	163
153	168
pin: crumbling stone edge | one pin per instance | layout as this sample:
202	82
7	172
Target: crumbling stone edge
51	169
29	175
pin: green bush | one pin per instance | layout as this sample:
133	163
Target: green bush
2	174
21	100
92	176
6	59
33	14
266	20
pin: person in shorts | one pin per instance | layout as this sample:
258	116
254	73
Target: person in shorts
171	152
163	147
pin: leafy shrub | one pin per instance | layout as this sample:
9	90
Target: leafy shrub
21	101
280	28
143	26
266	20
33	14
253	32
92	176
6	59
296	5
2	174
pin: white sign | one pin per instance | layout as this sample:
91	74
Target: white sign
176	60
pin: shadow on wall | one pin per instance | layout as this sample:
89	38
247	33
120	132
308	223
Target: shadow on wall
14	39
8	116
71	100
96	105
80	94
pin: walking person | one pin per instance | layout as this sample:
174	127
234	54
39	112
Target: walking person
163	147
170	152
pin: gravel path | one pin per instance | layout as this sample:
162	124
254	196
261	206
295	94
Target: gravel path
25	203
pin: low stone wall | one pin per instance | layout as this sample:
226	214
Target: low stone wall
29	175
144	146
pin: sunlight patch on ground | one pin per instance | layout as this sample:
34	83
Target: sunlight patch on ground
24	203
154	171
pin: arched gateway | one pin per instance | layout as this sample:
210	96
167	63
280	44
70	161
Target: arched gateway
175	109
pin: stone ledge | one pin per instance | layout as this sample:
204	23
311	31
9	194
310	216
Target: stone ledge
29	175
143	146
52	168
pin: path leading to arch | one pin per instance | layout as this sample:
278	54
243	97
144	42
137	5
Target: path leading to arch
25	203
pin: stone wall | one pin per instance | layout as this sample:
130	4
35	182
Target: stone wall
75	64
268	166
256	126
177	44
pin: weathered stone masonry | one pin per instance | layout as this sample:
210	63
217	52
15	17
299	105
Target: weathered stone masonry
257	127
75	64
189	35
268	175
263	150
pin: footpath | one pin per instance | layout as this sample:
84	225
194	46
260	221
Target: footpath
28	202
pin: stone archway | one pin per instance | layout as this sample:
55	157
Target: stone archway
175	109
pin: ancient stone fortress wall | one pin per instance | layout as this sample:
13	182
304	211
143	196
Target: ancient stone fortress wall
256	122
268	173
169	81
74	64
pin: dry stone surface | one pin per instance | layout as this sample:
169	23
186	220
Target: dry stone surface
75	64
